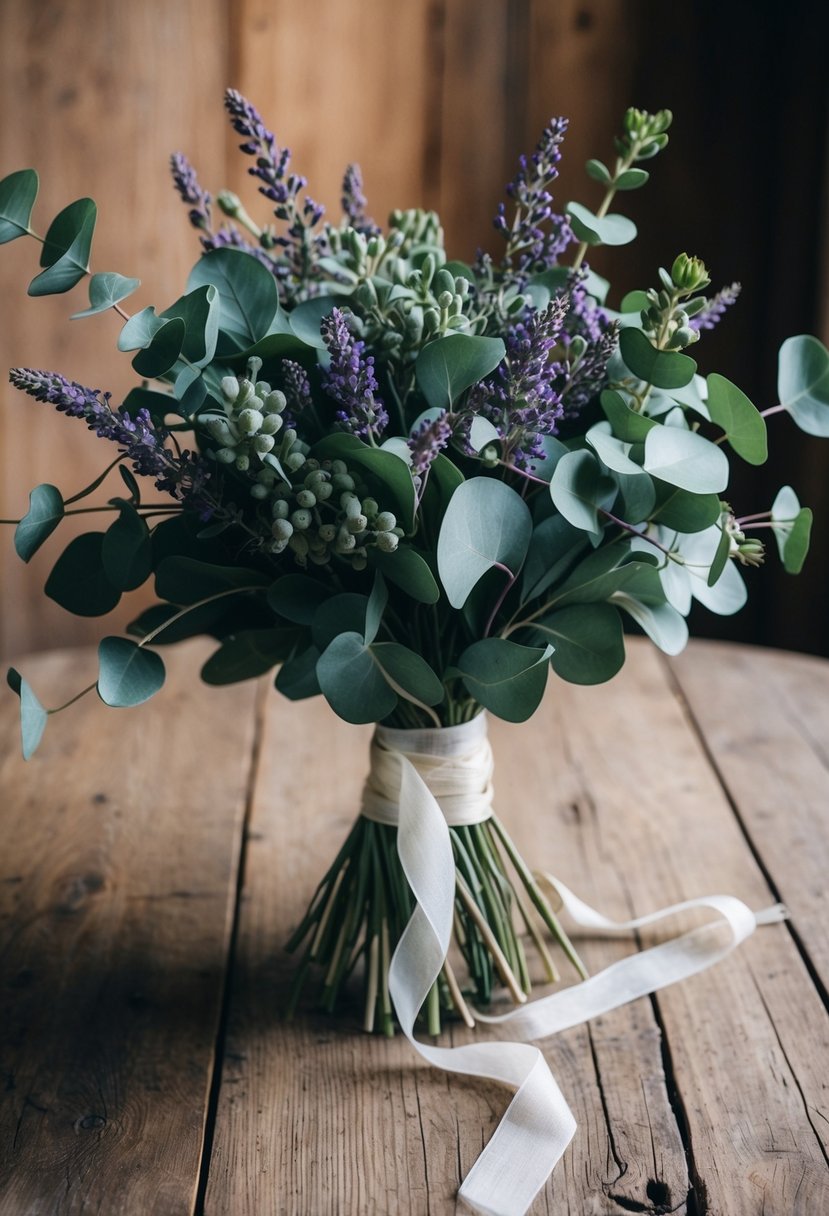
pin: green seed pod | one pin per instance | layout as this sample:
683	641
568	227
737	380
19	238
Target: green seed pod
431	321
282	529
489	456
399	533
328	533
246	394
324	491
257	490
226	455
230	388
445	300
462	286
279	509
261	388
242	462
342	481
295	461
339	466
444	281
385	521
272	423
345	542
228	202
689	274
275	402
219	430
306	499
302	519
262	444
386	542
427	270
299	544
352	506
249	421
358	562
267	477
356	524
370	507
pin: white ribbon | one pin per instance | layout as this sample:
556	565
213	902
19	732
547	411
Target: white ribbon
538	1124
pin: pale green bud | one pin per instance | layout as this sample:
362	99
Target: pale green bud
262	444
246	394
261	388
279	510
339	466
226	455
302	519
295	461
386	542
345	541
275	402
356	523
271	424
257	490
689	274
342	481
306	498
249	421
242	462
385	521
230	388
282	529
328	532
324	491
370	506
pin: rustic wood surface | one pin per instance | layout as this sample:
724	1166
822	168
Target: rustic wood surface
154	862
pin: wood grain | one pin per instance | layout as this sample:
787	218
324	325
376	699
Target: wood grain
95	96
117	884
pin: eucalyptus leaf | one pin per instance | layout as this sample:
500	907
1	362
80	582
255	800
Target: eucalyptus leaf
506	678
742	422
190	624
580	489
46	510
637	498
627	424
588	640
614	453
666	627
793	526
554	547
598	171
482	432
247	654
684	511
685	459
139	331
352	682
18	192
375	608
128	674
600	230
720	558
296	597
186	580
32	714
297	677
447	367
408	673
631	179
126	550
248	296
66	249
392	472
607	570
662	368
408	571
803	383
307	317
200	311
105	290
342	613
162	351
78	581
486	524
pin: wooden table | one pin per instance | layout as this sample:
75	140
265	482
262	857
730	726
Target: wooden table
153	861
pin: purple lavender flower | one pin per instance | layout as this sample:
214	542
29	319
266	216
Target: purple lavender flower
182	475
228	237
354	202
187	185
430	438
716	307
539	235
350	379
297	387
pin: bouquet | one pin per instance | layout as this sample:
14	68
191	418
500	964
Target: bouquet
412	485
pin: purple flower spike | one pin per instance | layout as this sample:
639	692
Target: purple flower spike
430	438
539	235
354	202
350	379
187	185
716	307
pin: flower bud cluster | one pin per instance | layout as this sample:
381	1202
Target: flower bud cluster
669	314
748	550
252	419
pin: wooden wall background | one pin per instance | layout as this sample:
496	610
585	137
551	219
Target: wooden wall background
435	98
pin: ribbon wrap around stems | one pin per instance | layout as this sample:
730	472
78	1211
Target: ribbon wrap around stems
422	780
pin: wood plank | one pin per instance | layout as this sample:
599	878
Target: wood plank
95	96
313	1116
117	886
764	717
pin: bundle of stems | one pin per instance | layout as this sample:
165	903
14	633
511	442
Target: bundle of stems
364	903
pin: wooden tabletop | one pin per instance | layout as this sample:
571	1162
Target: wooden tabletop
153	861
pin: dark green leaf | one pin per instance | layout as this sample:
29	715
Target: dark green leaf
197	621
130	483
486	524
296	597
139	331
631	179
407	570
507	679
683	511
185	580
588	640
793	526
43	516
105	290
598	171
627	425
408	673
447	367
600	230
375	608
163	350
306	319
634	301
297	677
554	546
662	368
343	613
803	383
248	296
352	682
720	558
18	192
199	311
742	422
599	575
65	252
126	550
127	673
248	654
78	581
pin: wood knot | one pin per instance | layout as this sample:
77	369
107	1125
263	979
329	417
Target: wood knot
90	1123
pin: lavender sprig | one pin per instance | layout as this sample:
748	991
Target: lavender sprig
354	202
350	379
538	235
187	185
430	438
716	307
183	475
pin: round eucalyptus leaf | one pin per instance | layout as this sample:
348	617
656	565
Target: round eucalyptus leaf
447	367
200	310
45	512
614	453
105	290
408	672
128	674
296	597
126	550
66	249
685	459
684	511
506	678
803	383
662	368
486	524
185	580
588	640
742	422
79	582
139	331
297	677
626	424
163	350
408	571
248	654
793	526
18	192
631	179
248	296
352	682
32	714
666	627
600	230
343	613
580	489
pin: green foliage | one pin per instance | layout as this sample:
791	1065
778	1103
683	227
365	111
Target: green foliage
662	368
79	581
803	383
32	714
505	678
408	571
18	192
66	249
447	367
127	673
186	580
296	597
588	640
486	524
162	350
792	529
247	654
686	460
600	230
126	551
248	297
581	489
105	291
742	422
46	510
